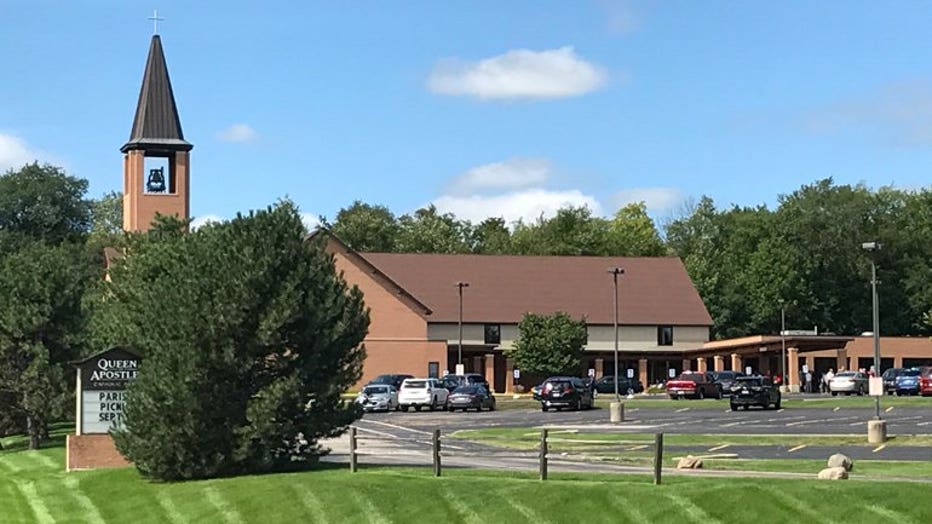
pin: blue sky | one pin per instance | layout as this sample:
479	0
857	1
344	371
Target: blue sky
485	108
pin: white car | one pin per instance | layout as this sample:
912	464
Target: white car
848	382
378	397
423	392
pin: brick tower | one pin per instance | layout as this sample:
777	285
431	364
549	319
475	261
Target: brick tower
156	164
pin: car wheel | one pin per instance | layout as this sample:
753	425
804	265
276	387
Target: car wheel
544	408
718	393
404	408
746	406
734	407
492	406
834	393
417	408
700	395
777	405
433	404
479	408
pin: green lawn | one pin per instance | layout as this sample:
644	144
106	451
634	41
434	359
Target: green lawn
34	488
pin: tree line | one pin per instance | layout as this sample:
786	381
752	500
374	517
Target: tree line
749	263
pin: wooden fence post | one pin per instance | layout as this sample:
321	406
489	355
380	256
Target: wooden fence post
543	454
658	456
352	449
436	445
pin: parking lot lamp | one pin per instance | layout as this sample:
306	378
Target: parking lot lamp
615	271
873	248
459	347
783	384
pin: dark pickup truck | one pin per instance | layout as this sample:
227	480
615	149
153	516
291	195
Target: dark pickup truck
754	391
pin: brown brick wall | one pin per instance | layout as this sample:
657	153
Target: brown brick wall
91	452
397	340
139	207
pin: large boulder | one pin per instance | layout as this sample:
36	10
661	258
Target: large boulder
838	473
839	460
689	462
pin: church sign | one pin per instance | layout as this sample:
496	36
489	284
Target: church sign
101	389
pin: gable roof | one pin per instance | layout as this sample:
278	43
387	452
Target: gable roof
156	125
502	288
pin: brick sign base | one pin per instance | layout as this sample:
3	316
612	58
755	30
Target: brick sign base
92	452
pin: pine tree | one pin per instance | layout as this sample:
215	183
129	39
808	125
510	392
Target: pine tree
248	336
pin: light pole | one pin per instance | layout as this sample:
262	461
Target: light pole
874	248
459	347
615	271
783	385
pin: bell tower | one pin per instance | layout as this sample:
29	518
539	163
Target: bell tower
156	163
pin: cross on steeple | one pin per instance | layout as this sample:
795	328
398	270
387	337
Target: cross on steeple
155	21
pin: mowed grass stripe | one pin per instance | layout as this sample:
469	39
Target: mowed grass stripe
529	514
45	461
91	512
621	503
691	510
9	465
465	513
369	510
311	503
799	506
226	510
39	510
164	500
888	514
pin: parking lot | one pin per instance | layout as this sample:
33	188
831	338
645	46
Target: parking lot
684	417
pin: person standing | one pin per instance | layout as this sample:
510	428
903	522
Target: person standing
826	381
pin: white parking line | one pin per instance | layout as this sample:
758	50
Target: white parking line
924	423
879	448
396	426
889	409
716	448
836	408
682	410
797	448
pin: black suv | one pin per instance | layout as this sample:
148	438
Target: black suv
565	392
754	391
452	382
889	379
606	384
726	379
390	380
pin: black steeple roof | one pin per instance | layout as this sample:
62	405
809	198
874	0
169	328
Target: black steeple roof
156	126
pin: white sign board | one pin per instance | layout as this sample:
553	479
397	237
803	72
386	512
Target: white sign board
591	372
630	373
460	369
875	386
102	381
805	369
517	374
748	371
103	411
671	372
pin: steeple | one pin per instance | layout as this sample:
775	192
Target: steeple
156	160
156	126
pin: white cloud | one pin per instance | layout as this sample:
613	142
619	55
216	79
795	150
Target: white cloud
514	173
310	220
657	199
238	133
527	204
520	73
15	153
203	220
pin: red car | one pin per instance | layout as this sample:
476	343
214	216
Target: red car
694	385
925	381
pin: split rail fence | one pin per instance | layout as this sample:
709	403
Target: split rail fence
549	449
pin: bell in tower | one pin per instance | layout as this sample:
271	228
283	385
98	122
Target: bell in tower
156	181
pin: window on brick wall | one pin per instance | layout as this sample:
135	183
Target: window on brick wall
493	334
664	335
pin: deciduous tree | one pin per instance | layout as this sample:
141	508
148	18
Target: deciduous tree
549	343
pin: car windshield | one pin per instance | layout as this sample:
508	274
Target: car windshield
749	381
414	384
910	373
695	377
891	373
846	375
466	390
723	375
383	379
375	390
475	379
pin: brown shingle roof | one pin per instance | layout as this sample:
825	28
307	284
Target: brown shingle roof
156	125
653	291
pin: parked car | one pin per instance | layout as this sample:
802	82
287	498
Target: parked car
565	392
889	379
908	382
378	397
535	391
726	379
925	381
468	397
391	379
422	393
626	385
848	382
693	384
452	382
754	391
